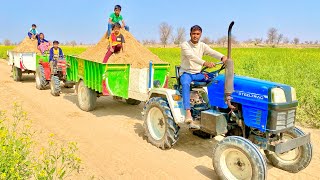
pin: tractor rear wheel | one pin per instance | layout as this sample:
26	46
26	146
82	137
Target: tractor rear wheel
238	158
87	97
295	160
41	81
16	73
159	125
55	85
133	101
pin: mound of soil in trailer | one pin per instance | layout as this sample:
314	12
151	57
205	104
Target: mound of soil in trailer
27	45
134	53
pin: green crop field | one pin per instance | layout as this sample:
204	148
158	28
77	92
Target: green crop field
68	50
299	68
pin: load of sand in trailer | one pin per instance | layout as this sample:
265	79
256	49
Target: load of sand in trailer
134	53
27	45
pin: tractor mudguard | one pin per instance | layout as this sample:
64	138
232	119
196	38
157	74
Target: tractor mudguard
47	71
176	106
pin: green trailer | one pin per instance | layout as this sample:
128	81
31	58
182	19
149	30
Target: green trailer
95	79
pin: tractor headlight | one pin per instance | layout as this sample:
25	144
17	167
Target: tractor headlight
293	94
277	95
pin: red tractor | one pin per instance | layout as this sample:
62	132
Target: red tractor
52	73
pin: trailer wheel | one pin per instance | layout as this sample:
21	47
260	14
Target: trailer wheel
41	81
133	101
160	128
295	160
16	73
237	158
55	85
86	97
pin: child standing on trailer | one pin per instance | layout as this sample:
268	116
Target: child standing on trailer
43	44
33	33
55	54
116	17
116	42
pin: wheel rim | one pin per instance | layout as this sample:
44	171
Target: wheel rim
292	155
14	73
235	164
82	96
156	123
52	85
38	79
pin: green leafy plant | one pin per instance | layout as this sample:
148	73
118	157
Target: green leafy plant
19	158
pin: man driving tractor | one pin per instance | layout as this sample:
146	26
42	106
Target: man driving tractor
191	65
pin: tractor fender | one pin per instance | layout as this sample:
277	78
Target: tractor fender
176	106
47	70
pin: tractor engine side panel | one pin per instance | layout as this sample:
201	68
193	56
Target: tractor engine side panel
251	95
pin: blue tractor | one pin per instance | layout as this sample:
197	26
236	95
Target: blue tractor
260	115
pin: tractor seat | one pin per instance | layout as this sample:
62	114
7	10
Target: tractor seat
194	84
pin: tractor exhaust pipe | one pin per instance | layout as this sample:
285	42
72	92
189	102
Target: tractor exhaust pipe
229	74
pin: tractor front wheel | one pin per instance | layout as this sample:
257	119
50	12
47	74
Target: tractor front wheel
87	97
133	101
237	158
55	85
41	81
159	125
16	73
295	160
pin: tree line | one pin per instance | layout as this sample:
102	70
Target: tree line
169	35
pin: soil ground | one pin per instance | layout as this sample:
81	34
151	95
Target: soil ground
111	141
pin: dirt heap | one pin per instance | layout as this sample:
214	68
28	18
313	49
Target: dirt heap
27	45
134	53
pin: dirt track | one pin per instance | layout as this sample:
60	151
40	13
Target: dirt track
111	137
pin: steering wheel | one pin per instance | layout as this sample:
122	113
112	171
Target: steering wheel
218	63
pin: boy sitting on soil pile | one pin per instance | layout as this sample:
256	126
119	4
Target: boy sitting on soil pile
116	42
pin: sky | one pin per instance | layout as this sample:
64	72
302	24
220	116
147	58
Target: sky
86	20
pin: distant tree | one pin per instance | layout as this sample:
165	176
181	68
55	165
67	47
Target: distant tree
296	41
248	41
7	42
148	42
279	38
285	40
316	42
180	36
165	31
272	35
257	41
73	43
81	44
222	41
206	40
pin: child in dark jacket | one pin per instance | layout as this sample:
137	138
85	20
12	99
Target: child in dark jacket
55	54
55	51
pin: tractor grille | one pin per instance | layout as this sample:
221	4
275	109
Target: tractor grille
280	120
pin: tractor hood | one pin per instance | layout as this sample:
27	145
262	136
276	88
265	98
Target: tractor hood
254	97
245	88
